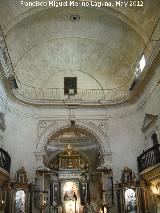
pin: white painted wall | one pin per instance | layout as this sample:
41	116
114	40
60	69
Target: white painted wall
124	132
20	142
126	141
21	134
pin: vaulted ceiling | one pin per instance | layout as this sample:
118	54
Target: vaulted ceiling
101	48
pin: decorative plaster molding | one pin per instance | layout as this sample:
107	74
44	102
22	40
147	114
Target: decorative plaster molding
2	121
71	176
101	124
107	160
120	111
54	126
151	173
42	125
149	119
117	112
39	159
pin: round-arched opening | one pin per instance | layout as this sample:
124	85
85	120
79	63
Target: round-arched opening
81	140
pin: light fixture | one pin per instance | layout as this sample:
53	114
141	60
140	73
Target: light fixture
142	63
74	18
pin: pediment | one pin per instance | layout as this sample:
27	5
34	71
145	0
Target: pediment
149	119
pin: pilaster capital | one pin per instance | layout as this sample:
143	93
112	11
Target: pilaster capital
39	160
39	155
107	159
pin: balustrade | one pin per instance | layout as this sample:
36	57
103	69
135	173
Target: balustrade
5	160
149	158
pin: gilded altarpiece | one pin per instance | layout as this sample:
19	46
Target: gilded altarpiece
129	193
68	182
21	193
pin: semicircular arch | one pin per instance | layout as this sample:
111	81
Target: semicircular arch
88	126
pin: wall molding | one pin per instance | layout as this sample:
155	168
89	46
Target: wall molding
59	124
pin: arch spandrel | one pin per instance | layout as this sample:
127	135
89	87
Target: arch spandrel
88	126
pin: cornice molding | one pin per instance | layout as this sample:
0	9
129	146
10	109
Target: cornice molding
149	119
115	111
151	173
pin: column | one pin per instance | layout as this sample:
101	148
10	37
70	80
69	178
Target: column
39	162
145	196
51	193
107	159
55	192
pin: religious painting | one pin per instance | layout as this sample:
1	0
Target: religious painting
71	197
130	200
70	191
20	201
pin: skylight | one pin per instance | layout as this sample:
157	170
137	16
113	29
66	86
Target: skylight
142	63
140	67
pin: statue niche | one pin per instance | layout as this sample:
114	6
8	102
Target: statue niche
129	193
70	195
21	192
21	176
